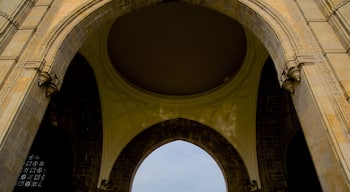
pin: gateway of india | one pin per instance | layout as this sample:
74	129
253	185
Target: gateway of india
89	88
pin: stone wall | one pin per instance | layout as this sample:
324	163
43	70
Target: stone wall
312	36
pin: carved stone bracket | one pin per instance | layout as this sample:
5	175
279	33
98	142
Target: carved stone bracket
43	78
294	73
289	86
291	76
106	185
253	186
51	89
50	83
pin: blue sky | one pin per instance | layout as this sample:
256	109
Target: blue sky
179	167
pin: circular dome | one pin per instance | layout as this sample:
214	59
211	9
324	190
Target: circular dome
176	48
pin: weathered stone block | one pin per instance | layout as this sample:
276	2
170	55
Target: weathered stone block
34	17
5	68
310	10
17	43
340	63
326	37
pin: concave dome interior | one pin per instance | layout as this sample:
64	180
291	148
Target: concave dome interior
176	48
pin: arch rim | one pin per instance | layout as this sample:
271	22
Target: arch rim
230	162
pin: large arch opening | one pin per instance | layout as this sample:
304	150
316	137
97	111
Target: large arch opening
49	164
284	159
232	166
179	166
66	152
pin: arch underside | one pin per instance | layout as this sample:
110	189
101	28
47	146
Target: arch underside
143	144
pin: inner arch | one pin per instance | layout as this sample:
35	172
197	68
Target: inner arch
226	156
179	166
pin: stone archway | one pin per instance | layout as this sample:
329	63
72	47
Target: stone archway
228	159
284	163
52	52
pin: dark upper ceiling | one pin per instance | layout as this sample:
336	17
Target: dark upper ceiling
176	48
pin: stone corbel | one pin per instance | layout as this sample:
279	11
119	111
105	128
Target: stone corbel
253	186
291	76
44	78
106	185
51	89
48	81
294	74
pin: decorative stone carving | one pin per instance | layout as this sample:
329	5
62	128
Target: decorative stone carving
45	79
290	78
291	75
253	186
51	89
106	185
288	85
294	73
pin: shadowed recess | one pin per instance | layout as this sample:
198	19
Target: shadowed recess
176	48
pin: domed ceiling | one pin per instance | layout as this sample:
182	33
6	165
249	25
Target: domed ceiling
176	48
